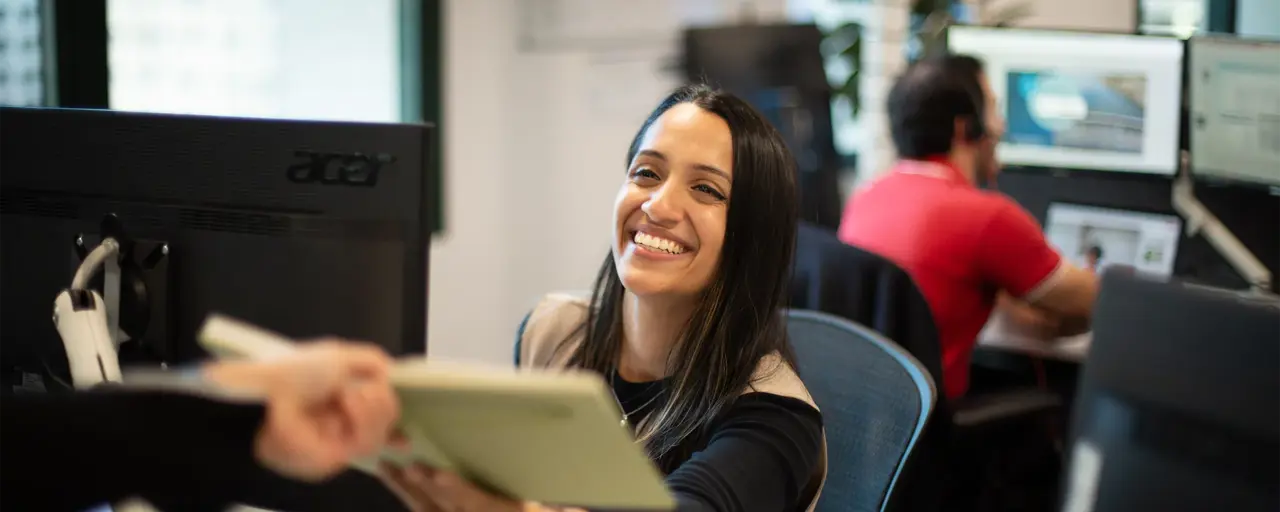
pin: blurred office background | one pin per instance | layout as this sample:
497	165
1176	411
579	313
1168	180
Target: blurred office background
536	99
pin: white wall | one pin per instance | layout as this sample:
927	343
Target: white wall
535	143
1103	15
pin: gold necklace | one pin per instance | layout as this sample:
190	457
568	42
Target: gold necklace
626	416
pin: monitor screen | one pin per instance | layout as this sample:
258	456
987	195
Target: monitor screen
1076	100
1235	109
1099	239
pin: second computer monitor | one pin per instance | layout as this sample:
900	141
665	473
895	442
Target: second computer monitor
1101	239
1077	100
1235	109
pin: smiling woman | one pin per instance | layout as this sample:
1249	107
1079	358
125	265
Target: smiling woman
673	205
686	317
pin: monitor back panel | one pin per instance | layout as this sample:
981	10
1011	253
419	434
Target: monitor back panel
1177	403
310	228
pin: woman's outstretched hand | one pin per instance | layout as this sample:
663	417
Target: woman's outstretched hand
328	403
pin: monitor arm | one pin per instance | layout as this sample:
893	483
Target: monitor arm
81	317
1201	221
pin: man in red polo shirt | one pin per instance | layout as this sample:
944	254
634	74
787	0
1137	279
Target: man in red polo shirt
966	248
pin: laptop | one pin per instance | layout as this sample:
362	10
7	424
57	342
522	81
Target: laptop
1103	239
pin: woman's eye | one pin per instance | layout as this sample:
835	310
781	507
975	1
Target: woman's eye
644	172
709	190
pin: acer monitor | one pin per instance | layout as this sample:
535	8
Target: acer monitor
307	227
1234	85
1082	100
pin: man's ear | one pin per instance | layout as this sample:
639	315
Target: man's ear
961	128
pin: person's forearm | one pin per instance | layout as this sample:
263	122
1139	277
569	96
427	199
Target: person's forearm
1073	326
81	449
1038	321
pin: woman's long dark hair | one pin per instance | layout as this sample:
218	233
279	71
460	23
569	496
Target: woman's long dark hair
739	319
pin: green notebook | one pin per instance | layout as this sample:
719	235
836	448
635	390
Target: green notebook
550	437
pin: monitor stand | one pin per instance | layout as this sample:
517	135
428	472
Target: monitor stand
1199	220
135	289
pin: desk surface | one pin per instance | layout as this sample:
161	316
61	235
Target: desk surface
1000	334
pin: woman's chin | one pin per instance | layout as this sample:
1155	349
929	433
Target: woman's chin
646	282
642	286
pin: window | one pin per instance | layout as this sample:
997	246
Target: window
21	59
257	58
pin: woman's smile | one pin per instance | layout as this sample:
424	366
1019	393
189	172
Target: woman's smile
657	246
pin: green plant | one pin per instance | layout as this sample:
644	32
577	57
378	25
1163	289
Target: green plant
845	43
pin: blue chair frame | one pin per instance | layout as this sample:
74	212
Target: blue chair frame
915	371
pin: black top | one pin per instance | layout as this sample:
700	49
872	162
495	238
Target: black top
759	454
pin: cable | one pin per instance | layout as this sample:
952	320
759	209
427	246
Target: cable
99	255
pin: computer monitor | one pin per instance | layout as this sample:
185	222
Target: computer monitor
778	68
1177	404
1102	239
1078	100
1234	85
309	228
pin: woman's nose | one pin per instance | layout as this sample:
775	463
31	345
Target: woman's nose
662	206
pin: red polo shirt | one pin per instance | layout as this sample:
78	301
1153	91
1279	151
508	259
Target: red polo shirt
959	243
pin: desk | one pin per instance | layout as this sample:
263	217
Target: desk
1000	334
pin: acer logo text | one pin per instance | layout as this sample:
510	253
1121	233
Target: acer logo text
354	169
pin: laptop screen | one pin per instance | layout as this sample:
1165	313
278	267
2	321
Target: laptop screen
1097	239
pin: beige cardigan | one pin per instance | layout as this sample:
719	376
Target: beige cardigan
545	343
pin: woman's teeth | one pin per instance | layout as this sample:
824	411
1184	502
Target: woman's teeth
658	244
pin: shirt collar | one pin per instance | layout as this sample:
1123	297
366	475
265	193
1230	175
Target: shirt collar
932	167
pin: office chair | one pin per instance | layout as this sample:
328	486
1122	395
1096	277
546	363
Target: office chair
875	400
836	278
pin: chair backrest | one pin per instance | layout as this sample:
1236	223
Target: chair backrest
875	400
850	282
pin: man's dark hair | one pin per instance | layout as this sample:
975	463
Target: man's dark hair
926	100
1096	252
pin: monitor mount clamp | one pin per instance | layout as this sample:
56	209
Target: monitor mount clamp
93	326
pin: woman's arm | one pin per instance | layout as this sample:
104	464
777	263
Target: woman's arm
761	456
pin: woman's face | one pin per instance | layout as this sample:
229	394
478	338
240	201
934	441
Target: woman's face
669	218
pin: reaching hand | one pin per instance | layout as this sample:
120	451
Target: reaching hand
328	403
